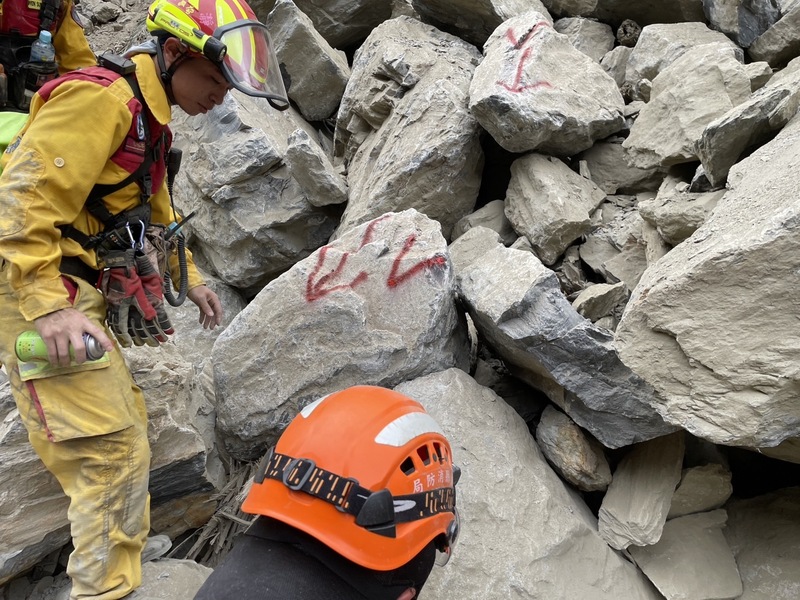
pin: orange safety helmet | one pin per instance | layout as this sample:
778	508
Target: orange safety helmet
367	472
228	33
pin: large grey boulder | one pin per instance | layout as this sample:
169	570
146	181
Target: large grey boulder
780	43
346	22
763	533
318	73
377	306
591	37
473	20
519	309
742	20
692	559
670	124
637	502
733	283
660	45
748	125
550	204
643	12
404	131
607	164
524	533
675	211
535	91
253	220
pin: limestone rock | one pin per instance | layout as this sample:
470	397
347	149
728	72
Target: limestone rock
324	325
701	489
518	308
535	91
473	20
763	533
318	73
740	389
636	504
578	458
692	560
404	130
549	204
669	126
550	522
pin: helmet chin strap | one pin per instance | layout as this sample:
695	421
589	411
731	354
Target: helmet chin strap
167	73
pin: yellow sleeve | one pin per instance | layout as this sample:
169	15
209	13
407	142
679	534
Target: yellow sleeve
163	214
72	48
50	172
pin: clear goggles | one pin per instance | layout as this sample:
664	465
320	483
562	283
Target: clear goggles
242	49
249	62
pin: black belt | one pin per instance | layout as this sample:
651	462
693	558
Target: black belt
72	265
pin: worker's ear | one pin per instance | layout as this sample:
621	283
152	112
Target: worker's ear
408	594
173	48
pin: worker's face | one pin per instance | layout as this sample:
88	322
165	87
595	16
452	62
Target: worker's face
197	84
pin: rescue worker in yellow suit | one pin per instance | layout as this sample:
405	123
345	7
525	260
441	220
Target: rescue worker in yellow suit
71	266
19	26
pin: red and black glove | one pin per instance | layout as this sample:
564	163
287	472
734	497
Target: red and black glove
145	330
131	315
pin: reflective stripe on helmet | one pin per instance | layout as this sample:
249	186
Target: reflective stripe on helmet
404	429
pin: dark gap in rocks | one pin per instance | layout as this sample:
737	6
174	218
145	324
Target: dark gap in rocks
496	171
755	474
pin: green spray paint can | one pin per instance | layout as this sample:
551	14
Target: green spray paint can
31	347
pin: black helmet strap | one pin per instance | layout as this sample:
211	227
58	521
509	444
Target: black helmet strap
378	512
167	73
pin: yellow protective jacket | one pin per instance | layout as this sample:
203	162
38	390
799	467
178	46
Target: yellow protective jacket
61	153
72	48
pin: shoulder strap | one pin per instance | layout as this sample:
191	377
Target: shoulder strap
94	201
48	13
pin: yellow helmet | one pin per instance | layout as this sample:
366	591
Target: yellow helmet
228	33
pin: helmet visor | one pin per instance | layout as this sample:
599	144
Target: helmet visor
250	63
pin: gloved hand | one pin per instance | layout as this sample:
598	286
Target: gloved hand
130	313
153	331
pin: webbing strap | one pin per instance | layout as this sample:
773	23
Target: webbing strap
302	474
94	201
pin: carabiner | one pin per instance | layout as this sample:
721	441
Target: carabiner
136	244
140	243
130	234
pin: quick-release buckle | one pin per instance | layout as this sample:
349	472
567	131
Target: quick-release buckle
263	465
300	480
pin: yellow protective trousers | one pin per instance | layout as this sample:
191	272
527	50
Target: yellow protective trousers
88	424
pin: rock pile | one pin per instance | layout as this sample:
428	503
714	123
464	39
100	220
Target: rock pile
568	227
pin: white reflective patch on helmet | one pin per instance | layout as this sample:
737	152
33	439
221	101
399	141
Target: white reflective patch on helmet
306	412
404	429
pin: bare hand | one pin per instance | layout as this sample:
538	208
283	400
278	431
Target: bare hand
209	304
64	328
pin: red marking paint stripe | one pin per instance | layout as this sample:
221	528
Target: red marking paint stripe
396	277
317	290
